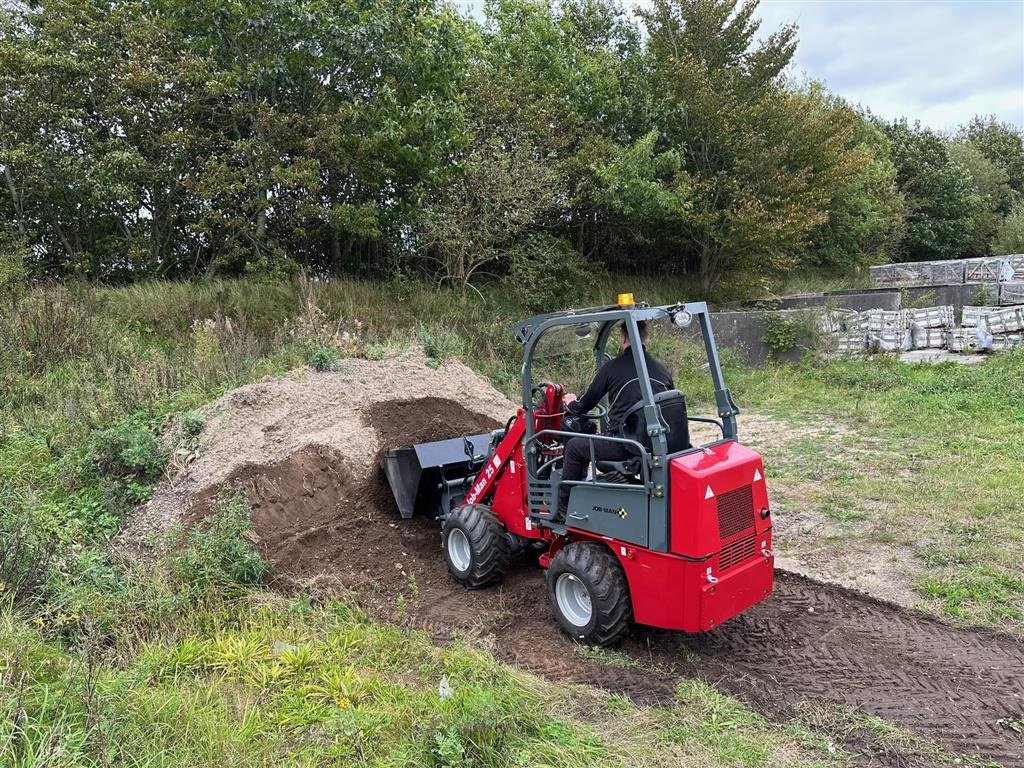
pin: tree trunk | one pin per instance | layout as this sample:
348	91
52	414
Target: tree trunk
16	201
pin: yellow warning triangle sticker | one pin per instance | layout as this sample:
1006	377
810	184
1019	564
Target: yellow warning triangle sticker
757	475
709	494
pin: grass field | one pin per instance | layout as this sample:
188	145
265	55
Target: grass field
190	663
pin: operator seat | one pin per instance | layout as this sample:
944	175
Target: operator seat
671	404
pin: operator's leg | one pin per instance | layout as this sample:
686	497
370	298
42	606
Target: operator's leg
577	457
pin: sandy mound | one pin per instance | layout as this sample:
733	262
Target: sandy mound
313	433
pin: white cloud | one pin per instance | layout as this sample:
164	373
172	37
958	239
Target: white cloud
937	62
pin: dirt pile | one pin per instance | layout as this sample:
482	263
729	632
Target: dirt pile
264	425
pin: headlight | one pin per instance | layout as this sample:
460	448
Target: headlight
682	318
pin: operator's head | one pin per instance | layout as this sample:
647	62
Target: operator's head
641	326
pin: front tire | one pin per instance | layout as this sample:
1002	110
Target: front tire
589	593
476	547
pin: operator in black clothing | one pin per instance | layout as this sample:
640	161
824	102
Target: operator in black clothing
618	380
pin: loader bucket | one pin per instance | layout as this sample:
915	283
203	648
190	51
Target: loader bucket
433	477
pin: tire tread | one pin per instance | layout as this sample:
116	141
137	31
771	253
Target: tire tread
491	550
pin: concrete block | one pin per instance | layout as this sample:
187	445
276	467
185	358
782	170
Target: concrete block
928	338
965	340
879	321
955	295
865	299
972	315
835	320
943	272
744	333
848	344
1004	320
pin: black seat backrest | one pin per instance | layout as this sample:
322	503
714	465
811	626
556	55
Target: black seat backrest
672	406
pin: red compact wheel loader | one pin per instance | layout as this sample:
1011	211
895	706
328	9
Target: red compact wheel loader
677	537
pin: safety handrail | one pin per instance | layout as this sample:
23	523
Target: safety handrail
708	420
641	451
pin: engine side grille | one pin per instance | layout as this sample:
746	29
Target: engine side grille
735	512
739	551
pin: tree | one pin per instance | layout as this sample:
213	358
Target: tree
939	199
568	77
762	159
1001	143
864	212
1010	233
503	193
991	186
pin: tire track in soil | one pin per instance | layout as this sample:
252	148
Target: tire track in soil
809	642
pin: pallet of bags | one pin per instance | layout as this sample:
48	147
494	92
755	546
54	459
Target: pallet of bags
943	272
930	317
1011	293
972	315
987	270
1003	320
928	338
849	344
890	341
878	321
968	340
1004	341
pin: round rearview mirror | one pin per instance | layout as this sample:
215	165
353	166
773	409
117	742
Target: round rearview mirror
682	318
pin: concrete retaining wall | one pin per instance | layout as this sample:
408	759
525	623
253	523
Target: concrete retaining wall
744	333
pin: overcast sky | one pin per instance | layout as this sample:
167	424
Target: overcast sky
938	61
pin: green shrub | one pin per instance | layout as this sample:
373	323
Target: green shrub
13	255
192	424
439	344
323	357
548	274
215	551
130	449
780	333
1010	235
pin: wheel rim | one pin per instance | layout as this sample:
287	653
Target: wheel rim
458	549
573	599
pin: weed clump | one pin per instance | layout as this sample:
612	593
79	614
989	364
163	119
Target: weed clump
217	552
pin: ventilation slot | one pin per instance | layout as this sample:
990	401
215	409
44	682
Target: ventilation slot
737	552
735	512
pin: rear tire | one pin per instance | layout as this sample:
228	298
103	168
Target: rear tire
589	593
476	547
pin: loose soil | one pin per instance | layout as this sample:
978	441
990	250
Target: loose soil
326	522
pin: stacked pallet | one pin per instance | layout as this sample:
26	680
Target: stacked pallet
1000	269
877	330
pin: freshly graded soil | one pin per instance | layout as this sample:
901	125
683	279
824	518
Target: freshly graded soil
326	521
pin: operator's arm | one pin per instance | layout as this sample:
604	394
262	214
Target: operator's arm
593	395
